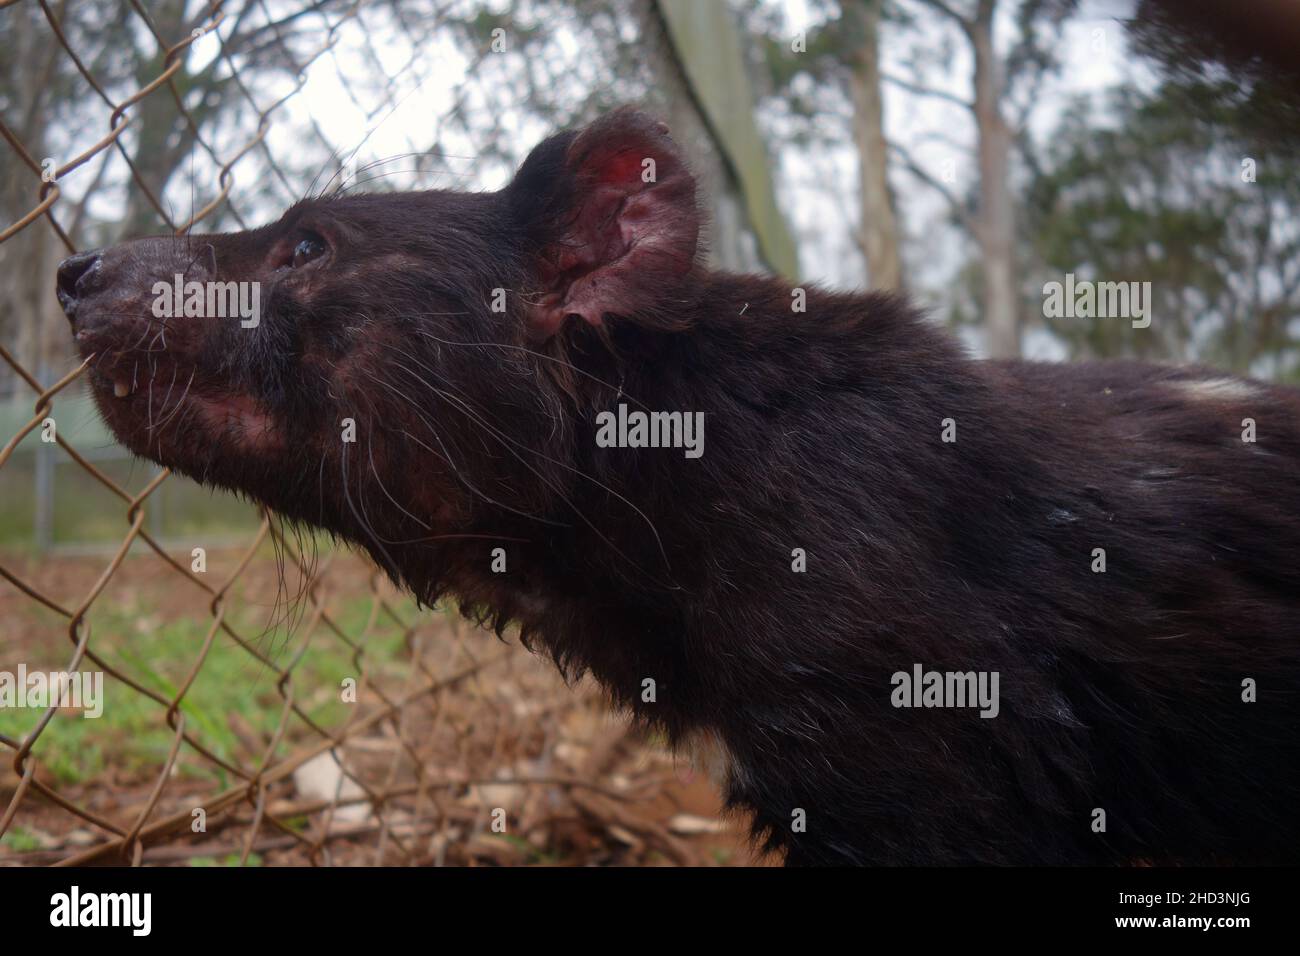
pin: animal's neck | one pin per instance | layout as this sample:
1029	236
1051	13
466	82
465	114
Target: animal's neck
657	554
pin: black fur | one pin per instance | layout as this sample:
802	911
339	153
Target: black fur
475	430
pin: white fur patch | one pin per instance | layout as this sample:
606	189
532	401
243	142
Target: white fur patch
1217	389
709	755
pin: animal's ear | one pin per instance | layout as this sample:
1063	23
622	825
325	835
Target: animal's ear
610	221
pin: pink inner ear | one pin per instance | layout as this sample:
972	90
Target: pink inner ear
627	240
621	168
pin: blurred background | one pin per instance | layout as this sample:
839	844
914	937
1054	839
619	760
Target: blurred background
966	151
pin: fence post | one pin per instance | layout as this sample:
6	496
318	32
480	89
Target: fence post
155	505
43	530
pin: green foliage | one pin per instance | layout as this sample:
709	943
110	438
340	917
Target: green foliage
19	840
254	859
132	734
1154	188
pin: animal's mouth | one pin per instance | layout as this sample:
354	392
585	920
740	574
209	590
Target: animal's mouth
161	385
175	412
126	366
157	396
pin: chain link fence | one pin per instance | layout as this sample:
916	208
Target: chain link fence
277	702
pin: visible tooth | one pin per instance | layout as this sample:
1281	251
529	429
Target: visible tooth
121	388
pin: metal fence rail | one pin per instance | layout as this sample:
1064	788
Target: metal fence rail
404	714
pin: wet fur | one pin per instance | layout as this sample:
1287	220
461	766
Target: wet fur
1120	691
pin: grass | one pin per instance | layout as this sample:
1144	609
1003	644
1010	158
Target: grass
152	629
20	840
254	859
132	736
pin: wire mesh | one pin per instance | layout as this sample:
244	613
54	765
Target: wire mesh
414	741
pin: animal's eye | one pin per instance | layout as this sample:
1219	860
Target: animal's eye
308	248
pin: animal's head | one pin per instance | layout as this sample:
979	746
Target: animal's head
393	366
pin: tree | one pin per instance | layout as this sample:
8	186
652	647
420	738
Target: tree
878	233
56	112
841	58
998	81
844	55
1181	189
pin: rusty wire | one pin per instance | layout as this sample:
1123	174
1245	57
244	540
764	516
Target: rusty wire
409	819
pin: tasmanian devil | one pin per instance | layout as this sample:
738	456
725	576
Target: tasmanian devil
920	608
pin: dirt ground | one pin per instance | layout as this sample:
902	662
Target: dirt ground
460	749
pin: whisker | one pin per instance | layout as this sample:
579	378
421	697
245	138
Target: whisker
446	456
179	402
370	449
389	564
469	412
541	355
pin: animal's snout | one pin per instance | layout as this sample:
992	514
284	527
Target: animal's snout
77	276
113	291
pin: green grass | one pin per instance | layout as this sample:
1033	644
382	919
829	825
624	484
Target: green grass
254	859
132	734
20	841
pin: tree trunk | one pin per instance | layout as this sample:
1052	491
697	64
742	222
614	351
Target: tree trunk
162	137
878	235
32	323
996	223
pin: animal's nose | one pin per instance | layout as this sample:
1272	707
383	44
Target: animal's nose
76	273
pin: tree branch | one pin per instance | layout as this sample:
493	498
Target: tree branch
958	207
949	12
936	136
920	90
